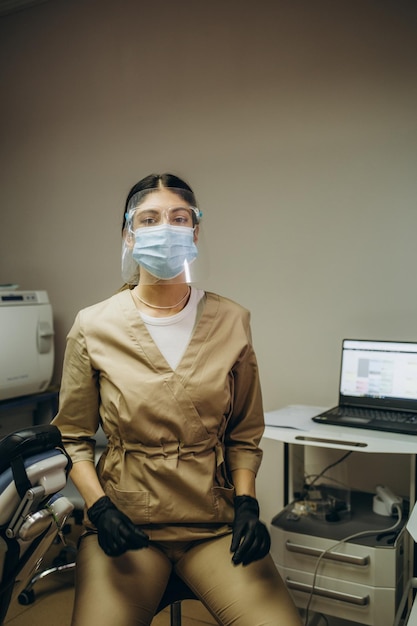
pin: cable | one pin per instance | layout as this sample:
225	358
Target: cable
363	533
317	476
324	618
311	500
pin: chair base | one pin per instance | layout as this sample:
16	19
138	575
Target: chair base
175	613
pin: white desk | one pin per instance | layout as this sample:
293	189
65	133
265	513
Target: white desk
293	424
294	427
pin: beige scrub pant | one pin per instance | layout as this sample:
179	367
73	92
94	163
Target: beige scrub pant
126	590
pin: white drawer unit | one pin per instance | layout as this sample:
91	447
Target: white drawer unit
366	590
361	580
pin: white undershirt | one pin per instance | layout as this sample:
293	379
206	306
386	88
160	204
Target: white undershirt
172	334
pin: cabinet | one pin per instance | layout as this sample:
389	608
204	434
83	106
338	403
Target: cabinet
361	580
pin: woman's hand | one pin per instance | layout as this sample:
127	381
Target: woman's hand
251	540
116	532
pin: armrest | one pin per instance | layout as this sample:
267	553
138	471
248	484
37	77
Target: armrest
28	442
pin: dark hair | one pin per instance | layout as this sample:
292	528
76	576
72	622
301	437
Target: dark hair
162	181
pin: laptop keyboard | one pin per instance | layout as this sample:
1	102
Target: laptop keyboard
393	417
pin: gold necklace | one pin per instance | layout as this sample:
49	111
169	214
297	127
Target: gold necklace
154	306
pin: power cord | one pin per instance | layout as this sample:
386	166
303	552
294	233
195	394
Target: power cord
322	473
322	618
313	496
364	533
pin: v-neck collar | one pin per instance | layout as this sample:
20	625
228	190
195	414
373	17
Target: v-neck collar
136	327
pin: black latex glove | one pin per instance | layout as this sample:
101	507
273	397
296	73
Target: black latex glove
116	532
251	540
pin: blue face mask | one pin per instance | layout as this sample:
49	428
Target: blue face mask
164	250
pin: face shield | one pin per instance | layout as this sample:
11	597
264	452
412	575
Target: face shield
162	238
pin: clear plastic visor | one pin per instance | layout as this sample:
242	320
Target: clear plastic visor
162	238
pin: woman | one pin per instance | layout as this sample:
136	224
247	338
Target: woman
169	373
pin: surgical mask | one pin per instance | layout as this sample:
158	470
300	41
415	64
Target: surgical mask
165	251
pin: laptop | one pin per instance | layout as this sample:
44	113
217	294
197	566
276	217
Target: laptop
378	387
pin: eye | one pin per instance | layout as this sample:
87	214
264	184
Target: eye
146	218
147	221
180	217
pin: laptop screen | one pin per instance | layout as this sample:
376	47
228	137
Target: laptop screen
379	372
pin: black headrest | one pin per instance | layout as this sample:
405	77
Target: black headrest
28	442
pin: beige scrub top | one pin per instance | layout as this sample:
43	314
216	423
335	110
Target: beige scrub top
174	436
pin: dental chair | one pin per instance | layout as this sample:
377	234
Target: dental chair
65	561
33	469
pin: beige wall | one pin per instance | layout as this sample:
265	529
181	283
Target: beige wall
296	124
